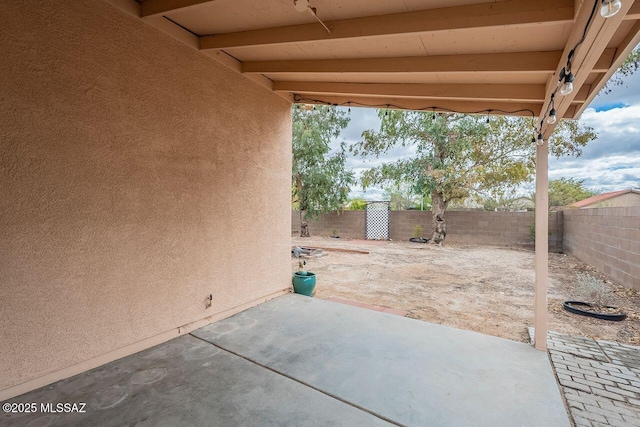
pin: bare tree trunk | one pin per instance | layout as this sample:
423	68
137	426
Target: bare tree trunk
304	226
438	209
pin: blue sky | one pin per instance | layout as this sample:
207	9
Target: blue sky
611	162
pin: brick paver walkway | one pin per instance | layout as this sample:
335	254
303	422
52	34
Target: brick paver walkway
600	380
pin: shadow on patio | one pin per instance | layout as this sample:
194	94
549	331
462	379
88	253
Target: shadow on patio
302	361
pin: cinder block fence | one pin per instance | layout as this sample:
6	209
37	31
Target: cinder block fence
491	228
606	238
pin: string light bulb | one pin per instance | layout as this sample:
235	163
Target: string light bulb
540	140
567	86
610	8
552	116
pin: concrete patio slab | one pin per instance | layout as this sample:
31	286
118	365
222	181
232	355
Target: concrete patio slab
408	371
300	361
381	308
186	382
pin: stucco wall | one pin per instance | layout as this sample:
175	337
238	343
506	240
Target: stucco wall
624	200
138	176
608	239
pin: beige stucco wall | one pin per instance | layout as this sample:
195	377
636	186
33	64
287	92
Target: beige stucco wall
624	200
137	177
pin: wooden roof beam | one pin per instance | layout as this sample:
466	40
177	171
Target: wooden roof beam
493	92
483	15
586	56
634	12
541	62
440	105
514	62
622	52
161	7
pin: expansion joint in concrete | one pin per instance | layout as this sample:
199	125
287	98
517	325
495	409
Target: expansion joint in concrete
382	417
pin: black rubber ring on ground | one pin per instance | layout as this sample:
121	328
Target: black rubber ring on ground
568	305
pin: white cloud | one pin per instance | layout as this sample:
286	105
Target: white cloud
612	162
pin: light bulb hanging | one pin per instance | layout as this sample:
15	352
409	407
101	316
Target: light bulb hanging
552	116
610	8
567	86
540	140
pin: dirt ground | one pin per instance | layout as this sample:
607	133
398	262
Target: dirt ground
485	289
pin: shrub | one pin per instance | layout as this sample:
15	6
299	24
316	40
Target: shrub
592	289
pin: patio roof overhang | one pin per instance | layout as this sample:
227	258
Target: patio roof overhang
470	56
502	57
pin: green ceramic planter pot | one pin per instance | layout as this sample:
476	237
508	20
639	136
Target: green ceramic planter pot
304	282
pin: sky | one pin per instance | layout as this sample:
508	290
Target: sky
609	163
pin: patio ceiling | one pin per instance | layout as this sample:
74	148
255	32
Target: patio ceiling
461	55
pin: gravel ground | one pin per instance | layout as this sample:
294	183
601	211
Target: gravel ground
485	289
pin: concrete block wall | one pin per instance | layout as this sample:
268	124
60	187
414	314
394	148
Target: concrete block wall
495	228
607	239
490	228
347	224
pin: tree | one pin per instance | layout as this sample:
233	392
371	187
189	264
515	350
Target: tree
630	65
321	183
508	203
402	197
458	155
357	204
563	191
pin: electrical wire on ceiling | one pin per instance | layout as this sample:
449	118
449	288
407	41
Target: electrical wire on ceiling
304	6
608	8
307	104
564	86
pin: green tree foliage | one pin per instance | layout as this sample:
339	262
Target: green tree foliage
402	196
460	155
357	204
507	203
628	67
320	180
563	191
